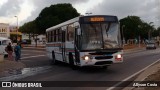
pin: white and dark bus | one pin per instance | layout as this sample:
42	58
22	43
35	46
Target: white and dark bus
86	41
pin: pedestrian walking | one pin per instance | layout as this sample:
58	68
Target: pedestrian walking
9	50
17	51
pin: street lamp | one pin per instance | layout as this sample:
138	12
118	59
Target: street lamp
17	29
123	41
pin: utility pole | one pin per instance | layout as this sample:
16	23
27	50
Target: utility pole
17	29
123	39
139	37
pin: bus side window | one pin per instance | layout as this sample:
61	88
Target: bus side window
57	31
59	35
54	35
0	43
49	33
67	35
70	33
51	36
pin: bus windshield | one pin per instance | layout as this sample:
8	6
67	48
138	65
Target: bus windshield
100	36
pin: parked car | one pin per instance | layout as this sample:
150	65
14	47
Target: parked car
3	44
151	45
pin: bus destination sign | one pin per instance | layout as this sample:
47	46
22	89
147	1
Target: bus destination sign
97	19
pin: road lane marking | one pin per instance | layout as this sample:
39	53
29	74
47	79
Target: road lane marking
25	54
34	50
126	79
33	56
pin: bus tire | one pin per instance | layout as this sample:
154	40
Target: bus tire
71	61
53	62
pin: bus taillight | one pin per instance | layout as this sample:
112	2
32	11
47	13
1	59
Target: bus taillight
118	57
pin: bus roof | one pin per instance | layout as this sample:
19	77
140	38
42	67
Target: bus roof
74	20
63	24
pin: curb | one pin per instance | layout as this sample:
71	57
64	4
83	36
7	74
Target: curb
133	50
144	74
141	75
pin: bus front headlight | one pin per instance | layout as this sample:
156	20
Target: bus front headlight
118	57
86	58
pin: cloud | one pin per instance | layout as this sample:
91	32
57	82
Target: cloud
28	10
86	6
40	4
146	9
2	2
10	7
157	21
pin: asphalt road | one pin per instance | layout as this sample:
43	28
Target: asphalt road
133	62
34	58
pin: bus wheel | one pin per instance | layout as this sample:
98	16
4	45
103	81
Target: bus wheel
53	58
71	62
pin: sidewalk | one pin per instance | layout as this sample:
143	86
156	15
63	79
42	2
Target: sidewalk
7	65
152	73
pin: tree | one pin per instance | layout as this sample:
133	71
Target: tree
156	32
54	15
133	27
48	17
29	28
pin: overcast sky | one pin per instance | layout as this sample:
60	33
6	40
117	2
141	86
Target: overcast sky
27	10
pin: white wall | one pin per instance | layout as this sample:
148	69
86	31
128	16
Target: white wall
41	39
4	30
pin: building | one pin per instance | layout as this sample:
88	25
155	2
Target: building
41	39
4	30
14	34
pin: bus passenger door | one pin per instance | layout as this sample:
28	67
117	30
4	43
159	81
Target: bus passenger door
77	42
63	47
77	45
